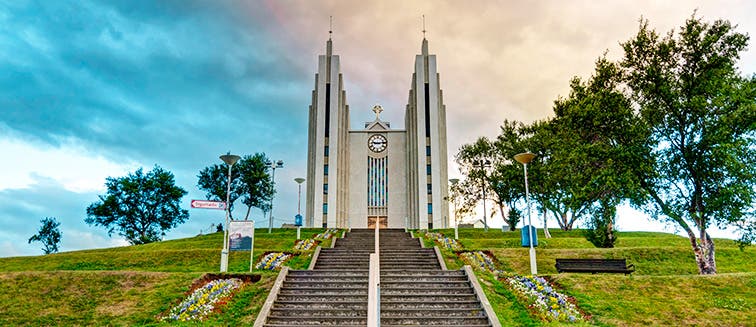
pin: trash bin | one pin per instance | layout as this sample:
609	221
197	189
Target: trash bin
298	220
526	236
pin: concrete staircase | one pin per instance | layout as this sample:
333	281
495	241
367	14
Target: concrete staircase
416	291
335	292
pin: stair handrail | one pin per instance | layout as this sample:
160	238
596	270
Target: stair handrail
374	285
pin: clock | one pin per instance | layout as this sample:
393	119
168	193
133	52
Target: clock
377	143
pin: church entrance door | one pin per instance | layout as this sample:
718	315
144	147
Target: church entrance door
382	221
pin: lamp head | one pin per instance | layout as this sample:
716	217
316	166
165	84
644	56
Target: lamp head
454	181
230	159
524	158
299	180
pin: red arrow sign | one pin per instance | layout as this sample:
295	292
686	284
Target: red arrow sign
204	204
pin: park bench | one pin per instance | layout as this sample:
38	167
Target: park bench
594	266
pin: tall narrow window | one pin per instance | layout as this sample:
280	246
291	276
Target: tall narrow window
325	188
427	110
430	208
325	208
325	151
427	169
328	109
325	170
427	150
430	188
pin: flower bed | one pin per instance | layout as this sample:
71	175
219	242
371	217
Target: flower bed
272	261
304	245
481	260
549	304
327	234
447	242
203	300
536	292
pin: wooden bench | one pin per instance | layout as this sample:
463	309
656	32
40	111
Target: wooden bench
594	266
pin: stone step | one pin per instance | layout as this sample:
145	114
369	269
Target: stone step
309	321
424	284
319	313
327	279
418	305
324	284
416	272
321	291
436	321
297	305
410	279
328	273
326	298
411	290
443	298
420	313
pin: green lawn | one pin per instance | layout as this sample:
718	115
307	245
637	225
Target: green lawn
132	285
665	290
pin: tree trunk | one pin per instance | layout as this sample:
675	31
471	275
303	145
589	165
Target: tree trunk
704	253
503	214
246	217
545	226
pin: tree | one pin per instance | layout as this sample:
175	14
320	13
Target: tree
140	207
250	181
599	138
49	234
701	115
213	180
257	185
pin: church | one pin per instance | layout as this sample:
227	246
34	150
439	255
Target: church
375	176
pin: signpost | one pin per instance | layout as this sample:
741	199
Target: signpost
206	204
241	237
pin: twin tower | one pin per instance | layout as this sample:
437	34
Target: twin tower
377	176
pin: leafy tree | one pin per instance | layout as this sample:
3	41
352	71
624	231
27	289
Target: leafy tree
599	138
49	234
250	181
213	180
257	185
701	114
140	207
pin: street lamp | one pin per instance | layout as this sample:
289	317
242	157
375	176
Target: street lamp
483	164
273	165
230	160
525	158
454	182
299	181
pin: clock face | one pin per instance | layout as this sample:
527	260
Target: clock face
377	143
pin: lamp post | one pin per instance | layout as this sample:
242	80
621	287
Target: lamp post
299	181
454	182
483	164
525	158
230	160
273	165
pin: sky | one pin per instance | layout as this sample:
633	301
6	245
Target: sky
92	89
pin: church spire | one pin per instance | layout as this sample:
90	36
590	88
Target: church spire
424	47
329	44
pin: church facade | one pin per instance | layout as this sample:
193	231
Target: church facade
377	176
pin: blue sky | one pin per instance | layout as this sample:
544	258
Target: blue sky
91	89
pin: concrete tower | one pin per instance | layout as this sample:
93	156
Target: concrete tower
425	121
328	157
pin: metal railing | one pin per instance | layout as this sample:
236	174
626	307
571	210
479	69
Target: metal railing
374	286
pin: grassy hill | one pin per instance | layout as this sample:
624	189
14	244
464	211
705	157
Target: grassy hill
665	290
132	285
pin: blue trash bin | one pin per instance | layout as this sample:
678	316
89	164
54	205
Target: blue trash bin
298	220
526	236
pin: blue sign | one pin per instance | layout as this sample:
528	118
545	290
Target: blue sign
526	236
298	220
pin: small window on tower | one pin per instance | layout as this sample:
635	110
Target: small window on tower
428	169
325	170
430	208
325	188
325	208
427	150
430	188
325	151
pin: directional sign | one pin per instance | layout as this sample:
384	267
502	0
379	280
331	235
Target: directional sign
204	204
